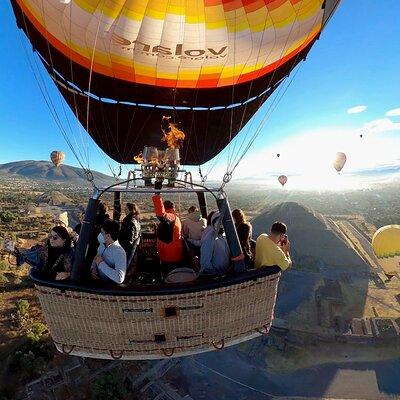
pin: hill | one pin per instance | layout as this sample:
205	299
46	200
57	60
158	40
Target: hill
47	171
313	242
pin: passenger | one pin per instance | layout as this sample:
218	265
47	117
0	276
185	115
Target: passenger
239	218
214	251
110	261
101	216
245	235
78	226
207	229
62	220
53	259
247	243
273	249
129	235
194	225
169	230
77	230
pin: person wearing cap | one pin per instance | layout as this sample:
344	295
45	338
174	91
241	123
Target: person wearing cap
169	230
214	250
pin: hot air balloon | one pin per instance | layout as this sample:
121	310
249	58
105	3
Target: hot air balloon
386	246
282	179
57	157
339	161
278	155
205	68
127	62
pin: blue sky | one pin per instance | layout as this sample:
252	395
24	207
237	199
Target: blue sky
355	63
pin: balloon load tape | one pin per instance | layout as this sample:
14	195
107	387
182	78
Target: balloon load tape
160	164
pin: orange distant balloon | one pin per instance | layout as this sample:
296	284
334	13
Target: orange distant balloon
282	179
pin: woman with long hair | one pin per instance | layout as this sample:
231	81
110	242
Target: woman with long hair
129	235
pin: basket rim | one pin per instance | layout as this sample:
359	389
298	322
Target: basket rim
150	290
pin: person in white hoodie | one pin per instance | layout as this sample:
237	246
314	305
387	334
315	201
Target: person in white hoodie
194	225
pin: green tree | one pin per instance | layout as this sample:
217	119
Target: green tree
108	387
7	216
21	315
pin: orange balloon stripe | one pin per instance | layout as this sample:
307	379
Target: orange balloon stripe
128	74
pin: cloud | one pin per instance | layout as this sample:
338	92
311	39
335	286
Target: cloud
382	125
393	113
356	110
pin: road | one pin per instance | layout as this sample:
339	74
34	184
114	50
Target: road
227	374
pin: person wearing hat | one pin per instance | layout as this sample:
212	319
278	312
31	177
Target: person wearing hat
214	250
169	230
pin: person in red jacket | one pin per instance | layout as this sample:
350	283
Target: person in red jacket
169	230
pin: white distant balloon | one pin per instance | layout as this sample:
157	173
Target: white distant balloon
282	179
339	162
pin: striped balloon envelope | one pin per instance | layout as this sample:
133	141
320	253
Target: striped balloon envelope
209	64
57	157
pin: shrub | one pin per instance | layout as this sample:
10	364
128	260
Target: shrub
4	266
36	331
7	216
108	387
3	279
20	317
30	359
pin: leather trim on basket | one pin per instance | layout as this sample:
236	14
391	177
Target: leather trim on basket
219	345
116	357
65	350
168	352
266	328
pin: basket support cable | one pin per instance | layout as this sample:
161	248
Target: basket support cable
85	237
231	234
117	206
202	203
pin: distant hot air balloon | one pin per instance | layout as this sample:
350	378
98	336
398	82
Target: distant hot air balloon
282	179
386	245
339	162
57	157
278	155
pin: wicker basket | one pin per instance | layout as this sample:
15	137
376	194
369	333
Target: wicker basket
147	326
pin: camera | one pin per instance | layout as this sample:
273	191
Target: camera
284	240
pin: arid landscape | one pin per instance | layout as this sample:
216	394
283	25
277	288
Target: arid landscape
337	315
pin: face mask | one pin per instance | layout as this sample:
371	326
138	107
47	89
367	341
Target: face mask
101	239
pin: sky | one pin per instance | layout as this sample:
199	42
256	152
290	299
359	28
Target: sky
348	86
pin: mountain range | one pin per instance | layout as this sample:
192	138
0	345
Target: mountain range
45	170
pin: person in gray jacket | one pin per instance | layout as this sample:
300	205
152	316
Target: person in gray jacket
110	261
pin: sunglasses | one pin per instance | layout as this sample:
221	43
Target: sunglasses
54	237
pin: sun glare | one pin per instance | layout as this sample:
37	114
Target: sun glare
307	160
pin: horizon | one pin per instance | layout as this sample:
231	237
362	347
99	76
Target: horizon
342	91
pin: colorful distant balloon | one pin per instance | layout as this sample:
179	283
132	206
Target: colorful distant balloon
282	179
339	162
386	246
212	62
57	157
